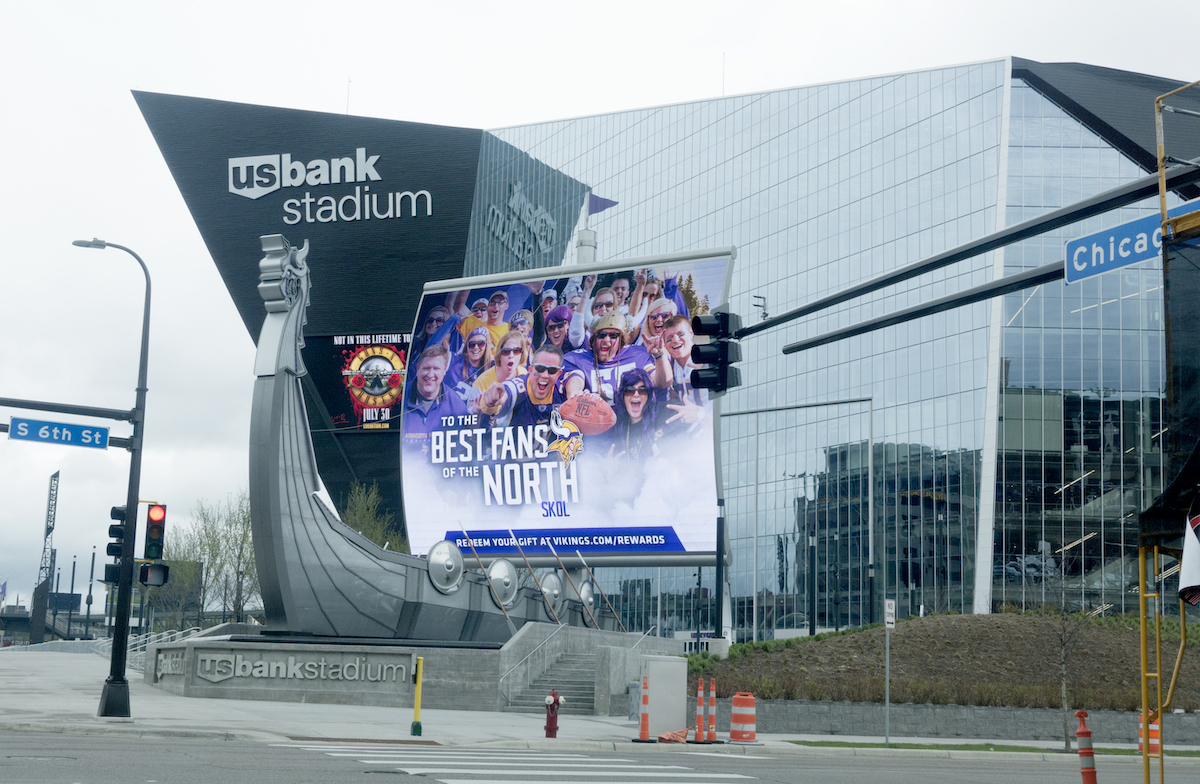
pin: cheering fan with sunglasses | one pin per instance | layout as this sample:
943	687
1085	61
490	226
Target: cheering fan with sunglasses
509	360
529	399
608	357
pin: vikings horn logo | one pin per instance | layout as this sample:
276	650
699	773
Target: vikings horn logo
569	442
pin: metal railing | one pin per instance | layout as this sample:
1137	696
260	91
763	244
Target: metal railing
518	665
644	636
136	650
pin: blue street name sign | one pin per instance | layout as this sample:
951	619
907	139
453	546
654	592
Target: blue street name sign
1129	243
58	433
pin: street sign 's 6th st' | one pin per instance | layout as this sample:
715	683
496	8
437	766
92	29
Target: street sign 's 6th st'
58	433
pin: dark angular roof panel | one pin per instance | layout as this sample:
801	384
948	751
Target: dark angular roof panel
1119	107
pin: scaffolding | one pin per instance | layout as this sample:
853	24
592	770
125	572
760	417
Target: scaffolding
1152	542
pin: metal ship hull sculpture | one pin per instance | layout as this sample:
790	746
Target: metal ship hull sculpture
318	577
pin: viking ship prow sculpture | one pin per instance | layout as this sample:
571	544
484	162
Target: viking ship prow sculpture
320	578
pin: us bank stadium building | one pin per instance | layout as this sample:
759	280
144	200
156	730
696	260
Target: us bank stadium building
1012	442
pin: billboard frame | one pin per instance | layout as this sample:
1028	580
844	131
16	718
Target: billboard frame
698	558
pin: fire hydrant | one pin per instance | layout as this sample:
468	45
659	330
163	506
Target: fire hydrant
553	703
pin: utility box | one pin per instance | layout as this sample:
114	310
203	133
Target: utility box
668	693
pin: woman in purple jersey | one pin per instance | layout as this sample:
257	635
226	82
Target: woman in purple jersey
468	365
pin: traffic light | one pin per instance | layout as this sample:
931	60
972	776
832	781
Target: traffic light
719	354
153	574
117	532
156	523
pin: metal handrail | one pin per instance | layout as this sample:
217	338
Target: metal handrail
644	636
136	649
535	650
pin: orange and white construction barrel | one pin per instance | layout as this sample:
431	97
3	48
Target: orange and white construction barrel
1155	736
699	738
712	710
741	719
1087	757
644	731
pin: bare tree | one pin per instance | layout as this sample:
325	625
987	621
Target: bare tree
181	594
1066	631
239	578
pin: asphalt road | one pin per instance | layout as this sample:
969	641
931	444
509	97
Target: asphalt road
67	758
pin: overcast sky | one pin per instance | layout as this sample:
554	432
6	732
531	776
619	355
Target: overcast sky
81	163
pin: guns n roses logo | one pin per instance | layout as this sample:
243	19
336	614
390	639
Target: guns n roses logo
374	377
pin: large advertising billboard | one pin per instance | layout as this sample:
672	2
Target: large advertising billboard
554	415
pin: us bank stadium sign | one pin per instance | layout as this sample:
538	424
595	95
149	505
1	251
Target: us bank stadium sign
217	667
255	176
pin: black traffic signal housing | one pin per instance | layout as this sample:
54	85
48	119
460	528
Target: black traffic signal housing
153	574
719	354
116	532
156	524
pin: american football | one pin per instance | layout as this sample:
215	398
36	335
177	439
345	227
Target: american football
589	413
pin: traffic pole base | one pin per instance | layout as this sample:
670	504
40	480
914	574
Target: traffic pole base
416	729
639	740
114	699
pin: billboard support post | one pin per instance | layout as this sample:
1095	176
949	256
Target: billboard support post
536	581
488	577
596	585
567	574
114	699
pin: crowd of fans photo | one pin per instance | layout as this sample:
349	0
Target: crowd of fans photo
512	355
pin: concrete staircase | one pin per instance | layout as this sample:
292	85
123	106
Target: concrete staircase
573	676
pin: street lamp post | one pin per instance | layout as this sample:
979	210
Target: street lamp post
114	700
71	600
87	625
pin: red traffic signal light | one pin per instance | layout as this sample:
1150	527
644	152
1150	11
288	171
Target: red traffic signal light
156	524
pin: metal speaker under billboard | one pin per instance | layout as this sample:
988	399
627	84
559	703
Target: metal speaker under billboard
553	409
588	597
503	576
446	567
552	586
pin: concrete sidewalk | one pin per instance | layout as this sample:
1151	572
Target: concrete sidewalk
60	692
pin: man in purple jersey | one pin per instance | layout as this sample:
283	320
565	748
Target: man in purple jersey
529	399
602	364
430	399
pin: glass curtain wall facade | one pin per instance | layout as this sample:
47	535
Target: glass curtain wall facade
1082	383
819	188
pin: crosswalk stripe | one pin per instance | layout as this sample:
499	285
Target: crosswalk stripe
481	757
414	748
525	774
492	765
